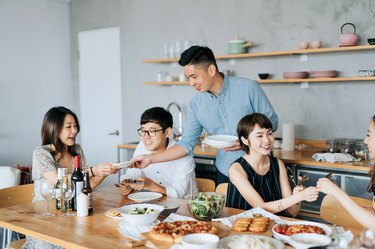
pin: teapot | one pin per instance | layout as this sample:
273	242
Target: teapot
238	46
348	39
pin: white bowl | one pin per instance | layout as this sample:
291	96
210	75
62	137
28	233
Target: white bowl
140	219
200	241
307	240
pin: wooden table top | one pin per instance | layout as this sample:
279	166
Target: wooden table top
94	231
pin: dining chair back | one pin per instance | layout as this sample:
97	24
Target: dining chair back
222	188
205	185
9	176
333	212
12	196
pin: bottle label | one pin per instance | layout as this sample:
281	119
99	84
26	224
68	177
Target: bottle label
57	193
82	205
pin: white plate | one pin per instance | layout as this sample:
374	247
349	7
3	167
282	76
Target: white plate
223	243
123	164
220	141
144	196
113	217
286	238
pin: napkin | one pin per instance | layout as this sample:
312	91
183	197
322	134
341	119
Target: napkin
334	157
134	231
228	221
174	217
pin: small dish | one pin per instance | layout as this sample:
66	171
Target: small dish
200	241
307	240
114	214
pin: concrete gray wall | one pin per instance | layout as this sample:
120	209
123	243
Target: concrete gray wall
35	72
36	56
322	111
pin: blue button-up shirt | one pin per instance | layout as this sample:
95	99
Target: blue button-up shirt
219	115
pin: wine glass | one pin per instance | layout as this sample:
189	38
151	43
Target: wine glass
47	191
67	191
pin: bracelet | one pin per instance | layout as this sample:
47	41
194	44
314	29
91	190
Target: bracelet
280	206
92	172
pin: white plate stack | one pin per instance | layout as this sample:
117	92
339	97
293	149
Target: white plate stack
220	141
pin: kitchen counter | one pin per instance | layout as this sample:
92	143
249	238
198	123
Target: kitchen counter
289	157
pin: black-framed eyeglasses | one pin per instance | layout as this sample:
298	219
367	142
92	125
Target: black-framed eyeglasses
151	133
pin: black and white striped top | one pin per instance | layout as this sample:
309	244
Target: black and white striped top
267	186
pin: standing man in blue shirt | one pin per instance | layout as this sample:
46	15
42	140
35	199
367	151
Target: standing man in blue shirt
217	108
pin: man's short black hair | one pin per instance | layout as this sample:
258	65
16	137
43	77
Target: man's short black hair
198	55
157	115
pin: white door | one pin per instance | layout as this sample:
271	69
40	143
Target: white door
100	94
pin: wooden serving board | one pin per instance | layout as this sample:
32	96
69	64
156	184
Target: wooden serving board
223	231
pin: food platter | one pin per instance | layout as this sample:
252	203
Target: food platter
221	141
249	241
327	230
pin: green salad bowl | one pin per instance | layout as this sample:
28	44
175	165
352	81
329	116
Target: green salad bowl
206	205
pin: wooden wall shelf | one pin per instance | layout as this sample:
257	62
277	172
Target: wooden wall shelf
317	80
275	81
276	53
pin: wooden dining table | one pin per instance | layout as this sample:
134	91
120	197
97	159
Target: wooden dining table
93	231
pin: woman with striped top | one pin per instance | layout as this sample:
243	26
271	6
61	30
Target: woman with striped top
258	179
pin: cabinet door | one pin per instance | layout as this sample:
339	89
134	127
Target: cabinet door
357	186
313	177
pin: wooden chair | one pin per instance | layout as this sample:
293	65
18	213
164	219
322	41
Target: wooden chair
332	212
13	196
222	188
205	185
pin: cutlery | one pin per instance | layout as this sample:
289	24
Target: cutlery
329	175
291	176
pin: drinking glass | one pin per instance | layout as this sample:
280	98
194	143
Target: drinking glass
47	191
67	191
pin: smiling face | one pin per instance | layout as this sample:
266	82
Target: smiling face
370	138
260	140
200	77
69	131
155	143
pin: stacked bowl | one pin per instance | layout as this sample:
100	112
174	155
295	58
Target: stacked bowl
295	75
323	74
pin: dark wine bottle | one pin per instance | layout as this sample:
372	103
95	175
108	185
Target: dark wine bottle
77	179
87	190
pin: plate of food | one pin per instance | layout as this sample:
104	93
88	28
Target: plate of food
144	196
174	231
284	231
249	241
221	141
114	214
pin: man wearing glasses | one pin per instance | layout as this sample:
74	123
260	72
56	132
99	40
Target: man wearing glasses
168	178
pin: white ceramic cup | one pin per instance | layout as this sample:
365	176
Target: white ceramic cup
200	241
316	44
303	45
